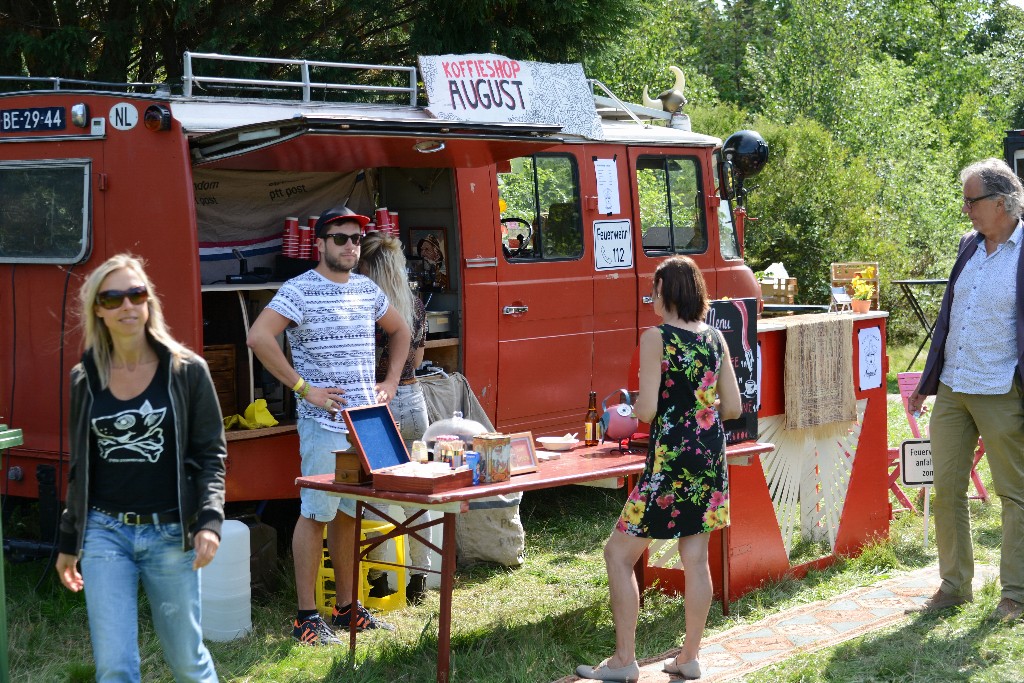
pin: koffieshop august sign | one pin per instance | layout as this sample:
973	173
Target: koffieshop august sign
495	89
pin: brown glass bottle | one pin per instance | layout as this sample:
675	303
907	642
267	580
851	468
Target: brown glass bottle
592	423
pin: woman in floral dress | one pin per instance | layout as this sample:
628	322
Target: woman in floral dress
687	387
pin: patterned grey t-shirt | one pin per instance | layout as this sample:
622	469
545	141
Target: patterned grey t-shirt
332	341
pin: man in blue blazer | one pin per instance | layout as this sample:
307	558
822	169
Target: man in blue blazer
975	370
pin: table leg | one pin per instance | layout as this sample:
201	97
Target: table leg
444	623
725	571
915	305
357	558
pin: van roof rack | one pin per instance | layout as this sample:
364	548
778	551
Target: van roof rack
58	83
192	81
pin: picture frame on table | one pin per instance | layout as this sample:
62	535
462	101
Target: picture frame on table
522	454
431	245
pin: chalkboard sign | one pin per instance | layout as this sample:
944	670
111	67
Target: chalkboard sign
736	319
373	432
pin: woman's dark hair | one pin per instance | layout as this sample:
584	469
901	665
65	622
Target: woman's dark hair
682	288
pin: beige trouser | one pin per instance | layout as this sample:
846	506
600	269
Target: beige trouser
957	420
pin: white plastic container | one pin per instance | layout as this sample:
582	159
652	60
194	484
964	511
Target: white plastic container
226	587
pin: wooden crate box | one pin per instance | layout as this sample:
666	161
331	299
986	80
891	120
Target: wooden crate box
778	290
843	274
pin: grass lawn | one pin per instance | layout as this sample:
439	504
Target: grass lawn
535	623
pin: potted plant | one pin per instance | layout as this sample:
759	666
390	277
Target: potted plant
863	290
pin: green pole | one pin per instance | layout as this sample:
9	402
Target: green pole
8	438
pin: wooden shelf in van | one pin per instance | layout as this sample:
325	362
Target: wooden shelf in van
243	434
437	343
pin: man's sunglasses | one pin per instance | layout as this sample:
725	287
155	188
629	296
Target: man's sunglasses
112	299
342	238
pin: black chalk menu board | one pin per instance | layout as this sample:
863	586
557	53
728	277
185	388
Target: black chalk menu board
736	319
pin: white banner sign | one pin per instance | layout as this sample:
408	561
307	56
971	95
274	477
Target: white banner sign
607	174
916	467
870	358
492	88
613	245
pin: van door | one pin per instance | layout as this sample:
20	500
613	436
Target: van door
611	235
669	187
545	293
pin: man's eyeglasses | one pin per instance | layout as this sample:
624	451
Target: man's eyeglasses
112	299
969	201
342	238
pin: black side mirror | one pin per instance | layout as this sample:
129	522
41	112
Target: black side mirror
726	187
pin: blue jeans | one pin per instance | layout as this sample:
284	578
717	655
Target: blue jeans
114	557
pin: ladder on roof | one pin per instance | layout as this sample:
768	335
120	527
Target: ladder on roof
191	80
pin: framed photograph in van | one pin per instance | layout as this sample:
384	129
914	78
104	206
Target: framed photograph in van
430	245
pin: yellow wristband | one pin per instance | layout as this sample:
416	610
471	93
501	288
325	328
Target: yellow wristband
298	385
305	390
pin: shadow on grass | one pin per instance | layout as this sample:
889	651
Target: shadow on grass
926	648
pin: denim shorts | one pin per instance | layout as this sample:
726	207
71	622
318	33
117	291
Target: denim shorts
316	447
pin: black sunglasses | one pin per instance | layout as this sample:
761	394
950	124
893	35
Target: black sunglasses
969	201
112	299
342	238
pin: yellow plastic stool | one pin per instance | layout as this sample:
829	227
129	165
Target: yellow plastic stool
325	590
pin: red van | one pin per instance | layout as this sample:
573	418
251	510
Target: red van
534	248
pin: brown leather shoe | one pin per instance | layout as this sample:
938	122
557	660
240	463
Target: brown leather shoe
940	602
1009	610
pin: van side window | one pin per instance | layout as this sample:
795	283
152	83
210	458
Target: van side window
44	211
671	205
727	238
539	198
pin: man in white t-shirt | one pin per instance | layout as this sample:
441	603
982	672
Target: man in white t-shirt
329	314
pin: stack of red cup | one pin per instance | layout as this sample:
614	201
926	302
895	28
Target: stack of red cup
305	231
383	220
393	217
290	237
314	248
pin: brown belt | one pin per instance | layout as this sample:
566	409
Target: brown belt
407	382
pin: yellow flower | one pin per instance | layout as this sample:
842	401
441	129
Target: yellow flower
669	348
706	397
659	457
634	511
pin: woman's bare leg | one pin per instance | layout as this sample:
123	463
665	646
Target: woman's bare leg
620	555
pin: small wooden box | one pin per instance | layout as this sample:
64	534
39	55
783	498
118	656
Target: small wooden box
389	480
221	360
348	469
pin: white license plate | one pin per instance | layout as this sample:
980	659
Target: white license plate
31	119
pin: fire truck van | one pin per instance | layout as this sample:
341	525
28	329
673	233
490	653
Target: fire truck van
531	239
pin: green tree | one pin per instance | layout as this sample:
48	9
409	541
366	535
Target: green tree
121	40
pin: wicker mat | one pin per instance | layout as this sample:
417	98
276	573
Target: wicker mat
819	371
732	654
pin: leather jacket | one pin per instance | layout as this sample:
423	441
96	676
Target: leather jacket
200	450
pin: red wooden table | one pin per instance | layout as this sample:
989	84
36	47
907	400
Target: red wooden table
580	466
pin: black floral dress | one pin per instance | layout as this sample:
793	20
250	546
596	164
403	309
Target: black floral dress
684	488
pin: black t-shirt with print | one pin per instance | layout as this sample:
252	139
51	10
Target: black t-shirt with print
133	466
